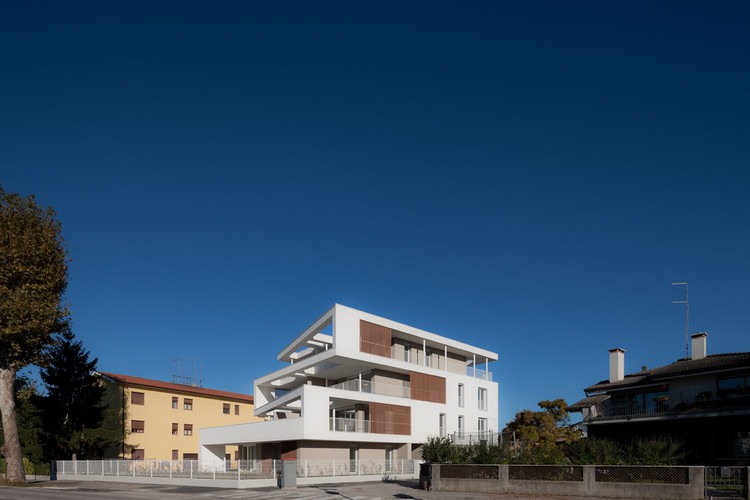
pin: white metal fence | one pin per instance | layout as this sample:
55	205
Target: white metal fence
231	469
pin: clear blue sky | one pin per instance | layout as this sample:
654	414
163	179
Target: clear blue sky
528	177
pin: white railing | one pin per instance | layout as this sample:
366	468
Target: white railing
334	468
370	387
192	469
477	373
109	470
348	425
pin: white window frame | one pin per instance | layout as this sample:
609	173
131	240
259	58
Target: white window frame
482	398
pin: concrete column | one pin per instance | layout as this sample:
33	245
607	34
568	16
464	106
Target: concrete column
589	479
359	415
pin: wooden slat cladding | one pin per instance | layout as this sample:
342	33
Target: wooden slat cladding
390	419
427	387
374	339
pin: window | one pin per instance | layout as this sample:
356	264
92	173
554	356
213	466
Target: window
388	458
137	398
461	428
187	404
443	430
428	357
236	409
482	426
174	403
175	454
482	398
187	429
732	387
137	426
460	395
740	444
137	454
190	456
175	429
225	409
407	353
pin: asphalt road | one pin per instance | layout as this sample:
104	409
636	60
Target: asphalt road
90	490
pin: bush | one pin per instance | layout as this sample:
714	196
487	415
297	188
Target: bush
658	450
595	451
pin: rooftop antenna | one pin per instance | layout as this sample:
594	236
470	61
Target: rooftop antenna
187	371
687	314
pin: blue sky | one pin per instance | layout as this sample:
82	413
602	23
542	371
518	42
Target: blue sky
528	177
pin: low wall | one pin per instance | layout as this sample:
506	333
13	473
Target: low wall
575	480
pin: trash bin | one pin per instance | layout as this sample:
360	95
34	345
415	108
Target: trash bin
288	473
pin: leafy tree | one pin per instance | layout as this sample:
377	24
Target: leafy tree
33	278
541	432
72	411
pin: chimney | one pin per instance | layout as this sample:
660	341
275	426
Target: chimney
698	345
616	364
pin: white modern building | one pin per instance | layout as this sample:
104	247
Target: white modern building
360	387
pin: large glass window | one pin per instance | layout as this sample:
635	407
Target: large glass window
460	395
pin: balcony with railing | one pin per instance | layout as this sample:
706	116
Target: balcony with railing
668	406
370	387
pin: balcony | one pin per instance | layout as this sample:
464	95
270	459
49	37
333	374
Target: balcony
703	403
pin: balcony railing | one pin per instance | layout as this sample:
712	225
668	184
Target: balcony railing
348	425
374	388
477	373
670	406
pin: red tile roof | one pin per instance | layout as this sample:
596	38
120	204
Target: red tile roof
170	386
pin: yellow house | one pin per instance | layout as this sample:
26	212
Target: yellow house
160	420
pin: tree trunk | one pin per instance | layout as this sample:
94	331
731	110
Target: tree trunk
12	446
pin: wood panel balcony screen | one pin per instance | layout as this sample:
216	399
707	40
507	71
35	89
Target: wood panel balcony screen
390	419
374	339
427	387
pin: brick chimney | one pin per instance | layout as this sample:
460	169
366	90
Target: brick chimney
698	345
616	364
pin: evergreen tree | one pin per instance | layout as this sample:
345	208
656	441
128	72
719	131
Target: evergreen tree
72	411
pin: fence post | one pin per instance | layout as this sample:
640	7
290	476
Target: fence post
134	462
170	469
117	468
305	468
334	468
151	468
191	469
87	467
239	467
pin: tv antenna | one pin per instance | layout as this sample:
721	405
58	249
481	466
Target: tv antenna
187	371
687	314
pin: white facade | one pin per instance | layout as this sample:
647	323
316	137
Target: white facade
361	386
